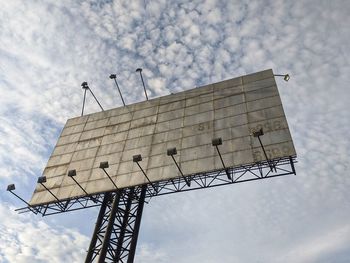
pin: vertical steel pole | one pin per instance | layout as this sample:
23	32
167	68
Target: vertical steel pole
89	257
109	229
124	225
137	225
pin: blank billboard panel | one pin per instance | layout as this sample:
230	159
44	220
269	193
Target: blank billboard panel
232	110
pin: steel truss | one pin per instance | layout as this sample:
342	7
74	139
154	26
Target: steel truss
117	227
118	223
244	173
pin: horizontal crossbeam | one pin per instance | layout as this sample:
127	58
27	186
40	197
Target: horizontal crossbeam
245	173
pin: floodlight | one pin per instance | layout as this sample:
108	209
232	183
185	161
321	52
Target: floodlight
104	165
258	133
171	151
139	70
286	77
216	141
84	85
42	179
112	76
72	173
137	158
11	187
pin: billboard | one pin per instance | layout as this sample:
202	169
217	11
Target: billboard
231	110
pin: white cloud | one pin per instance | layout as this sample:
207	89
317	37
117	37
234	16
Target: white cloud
158	86
48	48
146	253
26	239
314	250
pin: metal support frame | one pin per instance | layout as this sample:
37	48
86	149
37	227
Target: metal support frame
117	227
42	180
76	182
67	205
188	182
86	87
223	164
110	179
272	166
96	99
244	173
95	236
136	159
11	188
114	76
216	142
258	134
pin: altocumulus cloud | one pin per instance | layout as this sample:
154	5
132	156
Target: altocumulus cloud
47	48
24	239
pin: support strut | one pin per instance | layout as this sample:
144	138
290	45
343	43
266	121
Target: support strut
117	227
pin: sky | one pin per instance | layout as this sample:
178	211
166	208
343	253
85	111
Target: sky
48	48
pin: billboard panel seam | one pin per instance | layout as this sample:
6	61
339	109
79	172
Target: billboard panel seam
216	130
81	140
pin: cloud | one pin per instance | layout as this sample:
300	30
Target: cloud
48	48
316	249
25	239
146	253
